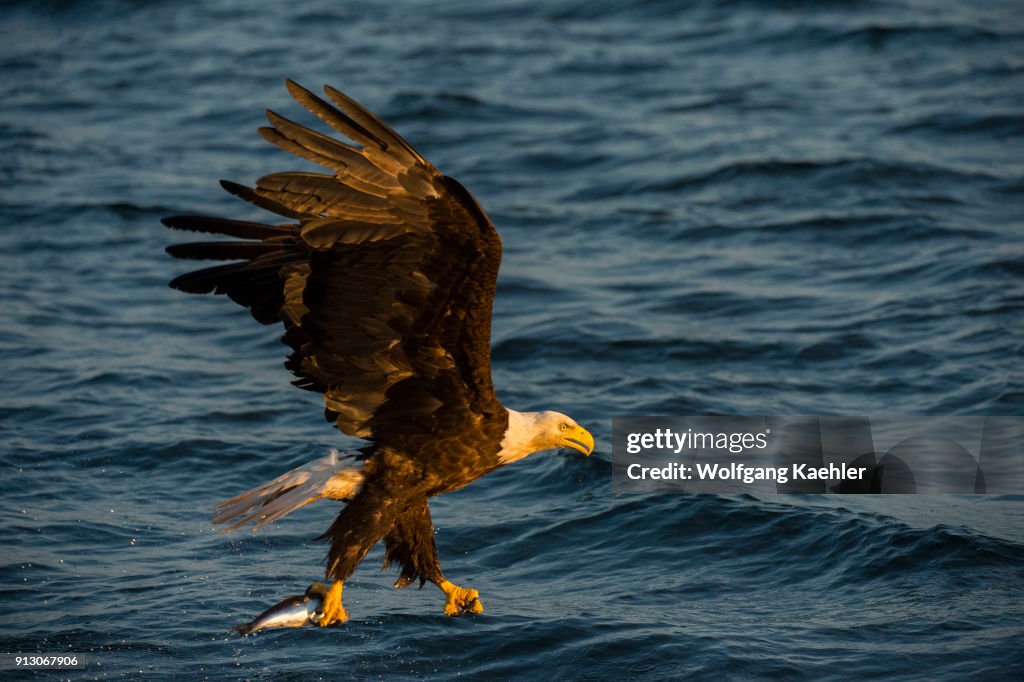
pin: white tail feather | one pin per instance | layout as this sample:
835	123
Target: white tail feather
337	476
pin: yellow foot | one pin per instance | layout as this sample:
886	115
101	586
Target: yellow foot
460	600
331	612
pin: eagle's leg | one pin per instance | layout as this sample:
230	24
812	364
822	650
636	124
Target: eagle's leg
410	544
358	527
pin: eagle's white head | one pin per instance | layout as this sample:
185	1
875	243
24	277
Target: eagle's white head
530	432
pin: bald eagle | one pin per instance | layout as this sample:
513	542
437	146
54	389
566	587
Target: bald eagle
383	274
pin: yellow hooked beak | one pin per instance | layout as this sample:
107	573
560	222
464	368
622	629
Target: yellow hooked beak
578	439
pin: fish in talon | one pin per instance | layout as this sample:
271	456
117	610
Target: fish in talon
291	612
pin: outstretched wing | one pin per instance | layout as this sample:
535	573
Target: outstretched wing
384	275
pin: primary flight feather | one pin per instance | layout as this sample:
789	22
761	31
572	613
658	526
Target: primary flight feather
383	274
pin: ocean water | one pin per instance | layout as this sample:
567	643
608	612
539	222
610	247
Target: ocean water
717	207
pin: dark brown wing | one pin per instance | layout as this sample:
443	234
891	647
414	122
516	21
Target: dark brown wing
384	280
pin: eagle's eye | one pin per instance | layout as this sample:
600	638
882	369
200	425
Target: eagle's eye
563	427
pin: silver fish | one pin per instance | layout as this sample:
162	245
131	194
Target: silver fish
291	612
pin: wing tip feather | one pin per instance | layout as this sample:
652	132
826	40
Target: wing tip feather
232	187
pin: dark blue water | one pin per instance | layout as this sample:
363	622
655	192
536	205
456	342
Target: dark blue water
732	207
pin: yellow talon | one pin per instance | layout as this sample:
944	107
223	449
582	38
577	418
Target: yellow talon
459	600
331	611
